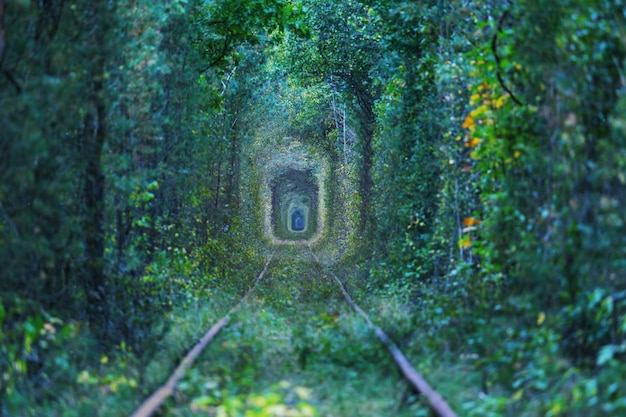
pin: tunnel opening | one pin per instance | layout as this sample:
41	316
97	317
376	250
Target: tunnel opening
297	221
295	205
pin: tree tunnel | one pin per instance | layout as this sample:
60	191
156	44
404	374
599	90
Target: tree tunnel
297	220
294	207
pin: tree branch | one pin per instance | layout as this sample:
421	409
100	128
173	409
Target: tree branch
494	48
12	80
221	55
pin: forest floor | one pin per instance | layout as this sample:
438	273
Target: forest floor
297	345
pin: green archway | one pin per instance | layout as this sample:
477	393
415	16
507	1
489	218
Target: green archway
295	205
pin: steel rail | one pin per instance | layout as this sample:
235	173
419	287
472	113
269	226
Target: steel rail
415	378
154	401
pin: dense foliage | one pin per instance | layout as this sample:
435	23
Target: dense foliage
501	135
498	182
121	130
471	159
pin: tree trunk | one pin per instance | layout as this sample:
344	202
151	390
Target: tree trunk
95	282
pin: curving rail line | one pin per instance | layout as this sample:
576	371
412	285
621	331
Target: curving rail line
154	401
436	401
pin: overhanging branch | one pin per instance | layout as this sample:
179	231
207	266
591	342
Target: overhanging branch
494	48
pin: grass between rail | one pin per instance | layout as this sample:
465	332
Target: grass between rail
299	350
296	350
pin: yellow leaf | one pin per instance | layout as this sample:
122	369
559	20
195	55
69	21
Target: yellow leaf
470	221
473	142
478	111
500	101
465	242
541	318
469	123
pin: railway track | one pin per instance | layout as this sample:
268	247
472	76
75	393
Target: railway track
153	402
